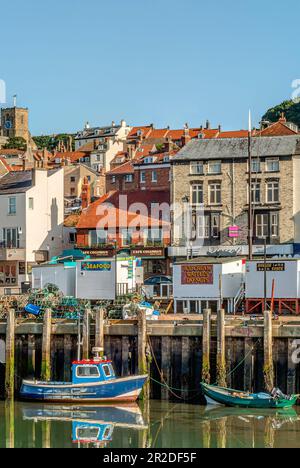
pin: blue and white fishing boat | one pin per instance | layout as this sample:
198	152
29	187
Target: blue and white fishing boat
92	381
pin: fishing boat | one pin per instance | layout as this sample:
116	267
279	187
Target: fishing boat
93	380
240	399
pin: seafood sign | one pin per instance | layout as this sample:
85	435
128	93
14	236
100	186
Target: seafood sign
197	274
96	266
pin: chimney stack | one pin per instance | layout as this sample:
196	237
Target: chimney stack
207	125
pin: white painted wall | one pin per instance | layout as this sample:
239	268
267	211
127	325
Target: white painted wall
232	276
286	282
96	285
63	277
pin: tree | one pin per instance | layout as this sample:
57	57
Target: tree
291	110
50	142
16	143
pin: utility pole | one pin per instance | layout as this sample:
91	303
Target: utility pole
250	213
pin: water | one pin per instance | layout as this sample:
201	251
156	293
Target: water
161	425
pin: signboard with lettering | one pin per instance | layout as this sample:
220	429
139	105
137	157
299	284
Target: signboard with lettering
99	253
273	266
96	266
148	252
197	274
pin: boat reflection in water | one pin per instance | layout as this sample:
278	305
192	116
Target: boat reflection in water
225	427
91	425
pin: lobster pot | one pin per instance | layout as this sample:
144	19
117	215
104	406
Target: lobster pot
212	283
61	275
284	274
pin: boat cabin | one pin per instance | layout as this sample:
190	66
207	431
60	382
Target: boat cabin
89	371
91	432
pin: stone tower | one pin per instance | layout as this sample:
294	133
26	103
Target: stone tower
14	123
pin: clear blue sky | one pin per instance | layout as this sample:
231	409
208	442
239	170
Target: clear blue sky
161	61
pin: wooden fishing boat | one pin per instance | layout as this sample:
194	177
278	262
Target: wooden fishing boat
237	398
92	381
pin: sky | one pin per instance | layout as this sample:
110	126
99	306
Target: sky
165	62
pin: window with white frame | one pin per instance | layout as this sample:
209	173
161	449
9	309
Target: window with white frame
154	176
272	165
31	203
128	178
255	165
273	191
203	226
214	167
11	237
196	168
262	226
197	194
255	192
274	224
214	191
12	205
143	177
215	226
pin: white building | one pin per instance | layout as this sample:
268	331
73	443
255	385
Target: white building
104	143
31	223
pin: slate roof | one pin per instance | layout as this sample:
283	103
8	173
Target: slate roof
16	182
238	148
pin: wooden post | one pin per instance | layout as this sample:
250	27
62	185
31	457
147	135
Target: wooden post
142	352
291	377
10	355
86	335
10	424
206	346
99	331
46	347
221	360
248	369
268	352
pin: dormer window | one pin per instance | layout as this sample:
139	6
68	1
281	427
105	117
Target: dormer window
149	160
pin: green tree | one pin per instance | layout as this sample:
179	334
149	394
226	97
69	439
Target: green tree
16	143
50	142
291	110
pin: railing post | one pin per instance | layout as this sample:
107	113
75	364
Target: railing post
99	329
268	351
10	355
206	346
46	346
221	360
86	334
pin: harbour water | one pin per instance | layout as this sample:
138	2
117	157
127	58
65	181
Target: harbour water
158	425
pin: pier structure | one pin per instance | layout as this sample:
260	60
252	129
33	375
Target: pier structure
177	352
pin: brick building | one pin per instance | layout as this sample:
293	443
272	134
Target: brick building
213	175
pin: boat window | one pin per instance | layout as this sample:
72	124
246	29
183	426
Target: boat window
87	433
87	371
107	432
107	370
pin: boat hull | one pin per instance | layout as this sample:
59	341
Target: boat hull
126	389
227	397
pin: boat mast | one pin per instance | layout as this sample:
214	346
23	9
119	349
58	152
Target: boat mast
250	213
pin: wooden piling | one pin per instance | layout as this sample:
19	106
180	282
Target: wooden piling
142	353
10	424
99	328
248	367
86	334
291	374
46	346
268	352
221	359
206	346
10	355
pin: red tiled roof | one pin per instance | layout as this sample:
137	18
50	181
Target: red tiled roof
145	150
146	129
126	168
157	134
71	156
97	212
3	152
279	128
234	134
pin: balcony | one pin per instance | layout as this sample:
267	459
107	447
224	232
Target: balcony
9	253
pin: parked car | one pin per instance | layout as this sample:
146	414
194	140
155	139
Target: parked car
158	279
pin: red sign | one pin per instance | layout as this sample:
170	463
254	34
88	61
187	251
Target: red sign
197	274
